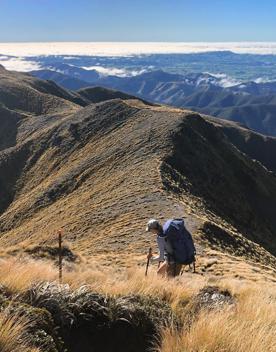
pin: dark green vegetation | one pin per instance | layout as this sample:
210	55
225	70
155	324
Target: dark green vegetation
78	321
61	319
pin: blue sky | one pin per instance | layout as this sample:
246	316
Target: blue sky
137	20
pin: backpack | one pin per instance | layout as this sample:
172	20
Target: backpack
180	240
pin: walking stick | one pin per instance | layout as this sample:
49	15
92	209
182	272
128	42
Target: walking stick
194	266
148	261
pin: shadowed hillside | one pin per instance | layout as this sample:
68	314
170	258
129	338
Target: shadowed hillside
100	171
255	145
32	96
98	94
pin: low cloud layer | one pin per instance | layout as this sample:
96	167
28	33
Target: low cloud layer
224	80
18	64
128	49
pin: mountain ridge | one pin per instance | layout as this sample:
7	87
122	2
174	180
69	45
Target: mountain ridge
100	171
253	104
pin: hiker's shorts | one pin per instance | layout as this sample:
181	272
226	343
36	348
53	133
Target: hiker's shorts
173	269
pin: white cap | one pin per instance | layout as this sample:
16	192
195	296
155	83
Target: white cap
152	224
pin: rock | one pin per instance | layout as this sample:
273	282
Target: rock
212	297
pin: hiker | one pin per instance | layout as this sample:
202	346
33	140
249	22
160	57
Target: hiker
176	247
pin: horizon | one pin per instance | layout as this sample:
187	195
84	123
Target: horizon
122	48
25	56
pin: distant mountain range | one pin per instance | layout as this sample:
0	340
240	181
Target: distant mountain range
251	104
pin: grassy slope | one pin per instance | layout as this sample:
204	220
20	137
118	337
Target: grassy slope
101	171
103	202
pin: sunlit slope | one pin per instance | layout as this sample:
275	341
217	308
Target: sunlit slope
101	171
96	174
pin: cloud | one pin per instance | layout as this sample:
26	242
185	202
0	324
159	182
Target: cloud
224	80
70	57
129	49
113	71
263	80
18	64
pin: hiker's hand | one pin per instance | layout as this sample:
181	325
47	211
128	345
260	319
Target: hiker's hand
149	256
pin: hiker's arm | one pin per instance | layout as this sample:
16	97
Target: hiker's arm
161	246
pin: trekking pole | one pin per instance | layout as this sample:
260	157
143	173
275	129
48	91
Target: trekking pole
60	256
194	266
194	262
148	261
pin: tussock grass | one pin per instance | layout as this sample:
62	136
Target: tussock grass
134	281
247	326
12	337
18	275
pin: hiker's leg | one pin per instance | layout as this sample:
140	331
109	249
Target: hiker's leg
178	269
162	269
173	269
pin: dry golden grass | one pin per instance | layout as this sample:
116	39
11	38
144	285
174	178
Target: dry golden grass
12	337
118	181
140	105
18	275
249	327
133	281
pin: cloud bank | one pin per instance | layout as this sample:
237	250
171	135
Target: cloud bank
128	49
225	80
18	64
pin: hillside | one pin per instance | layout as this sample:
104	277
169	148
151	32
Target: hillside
252	104
23	93
257	146
254	108
100	171
99	94
65	81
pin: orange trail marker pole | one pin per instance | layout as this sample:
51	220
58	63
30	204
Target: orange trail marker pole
60	256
